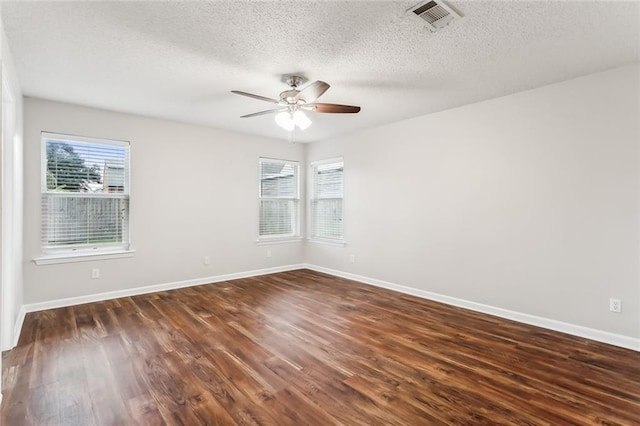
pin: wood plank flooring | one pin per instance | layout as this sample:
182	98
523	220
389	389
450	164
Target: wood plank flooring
300	348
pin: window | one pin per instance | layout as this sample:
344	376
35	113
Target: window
279	199
85	194
326	200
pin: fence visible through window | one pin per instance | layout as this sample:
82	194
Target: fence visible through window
327	199
85	193
279	198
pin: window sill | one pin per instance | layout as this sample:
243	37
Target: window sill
337	243
51	259
278	241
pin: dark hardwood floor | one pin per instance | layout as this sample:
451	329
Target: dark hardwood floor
306	348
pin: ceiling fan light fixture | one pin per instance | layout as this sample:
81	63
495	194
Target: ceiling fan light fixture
289	120
285	121
301	120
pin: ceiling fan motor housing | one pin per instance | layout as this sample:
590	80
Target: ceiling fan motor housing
289	97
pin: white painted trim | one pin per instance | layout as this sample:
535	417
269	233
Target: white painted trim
79	138
17	328
82	257
78	300
327	242
267	241
8	217
326	161
563	327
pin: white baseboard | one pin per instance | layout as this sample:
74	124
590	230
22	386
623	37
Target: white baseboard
576	330
78	300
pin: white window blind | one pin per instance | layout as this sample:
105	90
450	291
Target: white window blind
279	199
85	194
326	200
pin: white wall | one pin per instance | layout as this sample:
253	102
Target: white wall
193	194
11	167
527	202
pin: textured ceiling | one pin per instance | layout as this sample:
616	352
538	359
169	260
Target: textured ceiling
179	60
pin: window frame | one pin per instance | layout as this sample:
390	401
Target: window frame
80	252
280	238
312	193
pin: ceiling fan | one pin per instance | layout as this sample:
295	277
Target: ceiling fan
293	102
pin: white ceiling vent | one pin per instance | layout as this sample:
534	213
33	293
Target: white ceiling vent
435	14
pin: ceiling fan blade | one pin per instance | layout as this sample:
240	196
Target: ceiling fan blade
269	111
251	95
334	108
312	91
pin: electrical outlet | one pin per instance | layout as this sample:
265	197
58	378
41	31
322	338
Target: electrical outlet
615	305
95	273
207	260
268	253
352	258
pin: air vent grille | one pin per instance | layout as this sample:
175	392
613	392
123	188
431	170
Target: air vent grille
436	14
